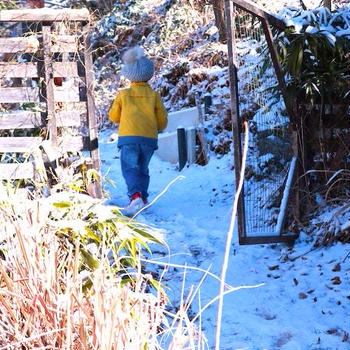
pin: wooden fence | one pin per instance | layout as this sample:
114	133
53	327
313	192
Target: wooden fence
46	85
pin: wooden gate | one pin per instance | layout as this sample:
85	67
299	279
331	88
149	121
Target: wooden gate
264	201
46	90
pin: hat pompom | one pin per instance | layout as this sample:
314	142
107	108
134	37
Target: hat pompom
132	55
137	67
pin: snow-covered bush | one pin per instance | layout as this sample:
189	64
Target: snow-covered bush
315	53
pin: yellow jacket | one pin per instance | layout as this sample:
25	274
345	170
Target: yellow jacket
140	114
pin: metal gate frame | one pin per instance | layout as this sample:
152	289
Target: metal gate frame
266	20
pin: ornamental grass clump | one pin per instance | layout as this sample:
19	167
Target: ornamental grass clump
71	278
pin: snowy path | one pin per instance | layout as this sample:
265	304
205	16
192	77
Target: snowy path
300	305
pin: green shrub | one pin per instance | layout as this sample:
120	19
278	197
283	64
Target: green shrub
314	52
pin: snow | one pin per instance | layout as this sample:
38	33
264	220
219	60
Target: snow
298	303
295	301
299	296
318	20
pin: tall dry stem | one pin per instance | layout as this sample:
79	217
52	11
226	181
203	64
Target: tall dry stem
229	240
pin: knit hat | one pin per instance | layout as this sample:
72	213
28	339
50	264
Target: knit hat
137	67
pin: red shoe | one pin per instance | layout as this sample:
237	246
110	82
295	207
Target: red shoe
135	196
138	195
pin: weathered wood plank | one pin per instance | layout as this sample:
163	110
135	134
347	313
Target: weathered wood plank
44	14
65	69
64	43
64	145
30	70
30	120
73	144
66	119
18	94
28	144
24	144
78	107
20	120
18	70
66	93
19	44
31	44
17	171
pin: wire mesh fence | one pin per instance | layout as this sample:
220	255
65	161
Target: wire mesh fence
261	104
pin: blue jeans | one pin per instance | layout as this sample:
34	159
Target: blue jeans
134	160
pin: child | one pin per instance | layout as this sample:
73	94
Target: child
140	114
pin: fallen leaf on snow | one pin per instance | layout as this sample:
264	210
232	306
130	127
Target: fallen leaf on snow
336	280
336	267
283	339
302	295
332	331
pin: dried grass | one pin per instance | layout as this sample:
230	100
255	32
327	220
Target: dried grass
43	302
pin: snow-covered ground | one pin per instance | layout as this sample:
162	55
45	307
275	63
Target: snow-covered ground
303	298
299	296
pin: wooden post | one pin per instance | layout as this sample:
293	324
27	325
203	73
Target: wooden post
49	85
207	103
191	145
218	8
235	115
328	4
182	149
200	132
40	175
93	127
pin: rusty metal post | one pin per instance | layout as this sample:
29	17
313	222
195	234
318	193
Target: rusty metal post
230	27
